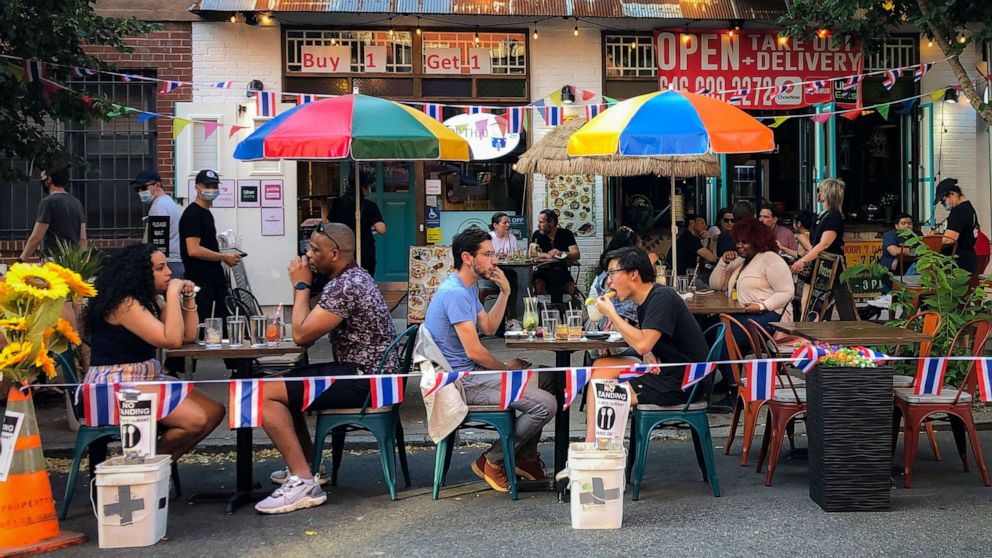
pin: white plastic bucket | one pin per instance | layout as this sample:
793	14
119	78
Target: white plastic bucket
597	482
132	501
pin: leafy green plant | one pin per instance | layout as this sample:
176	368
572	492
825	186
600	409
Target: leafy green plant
943	288
85	262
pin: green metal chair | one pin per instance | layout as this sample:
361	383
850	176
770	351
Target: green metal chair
489	417
383	423
693	413
92	439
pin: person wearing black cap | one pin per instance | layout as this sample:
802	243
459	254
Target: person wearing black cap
163	211
961	223
200	251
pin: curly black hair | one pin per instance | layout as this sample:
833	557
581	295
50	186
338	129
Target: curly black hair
126	274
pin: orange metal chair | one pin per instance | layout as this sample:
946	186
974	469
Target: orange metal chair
749	409
927	323
956	404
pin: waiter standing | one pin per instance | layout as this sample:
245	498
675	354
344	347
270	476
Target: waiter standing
961	224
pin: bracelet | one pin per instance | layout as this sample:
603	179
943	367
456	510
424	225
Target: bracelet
193	309
187	296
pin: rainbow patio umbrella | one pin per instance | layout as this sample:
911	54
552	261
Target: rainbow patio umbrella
353	127
671	124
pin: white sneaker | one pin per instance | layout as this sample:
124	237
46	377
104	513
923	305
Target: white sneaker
294	494
280	476
884	302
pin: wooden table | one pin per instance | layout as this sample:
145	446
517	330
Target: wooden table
716	302
563	359
851	333
244	357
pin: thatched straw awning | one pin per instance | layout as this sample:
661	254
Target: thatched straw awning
549	157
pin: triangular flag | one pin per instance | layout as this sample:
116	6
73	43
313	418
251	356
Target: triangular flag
503	122
851	114
234	130
609	100
209	128
145	116
821	118
883	110
587	95
906	106
178	125
778	121
539	104
937	95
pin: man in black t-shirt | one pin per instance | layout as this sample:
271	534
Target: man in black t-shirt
343	211
558	247
666	331
689	246
961	223
60	217
200	251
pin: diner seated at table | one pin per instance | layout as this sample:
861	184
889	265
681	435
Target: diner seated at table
724	242
666	329
896	258
689	248
127	321
802	226
555	247
453	319
785	239
505	244
352	313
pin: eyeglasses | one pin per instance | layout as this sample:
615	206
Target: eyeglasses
320	229
611	272
725	220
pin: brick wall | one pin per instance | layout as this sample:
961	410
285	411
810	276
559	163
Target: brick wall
169	53
226	51
11	249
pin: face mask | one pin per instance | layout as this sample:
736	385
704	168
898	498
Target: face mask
145	196
209	195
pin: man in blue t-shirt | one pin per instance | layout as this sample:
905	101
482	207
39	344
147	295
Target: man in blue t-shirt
452	318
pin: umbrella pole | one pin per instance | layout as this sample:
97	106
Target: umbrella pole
358	216
675	232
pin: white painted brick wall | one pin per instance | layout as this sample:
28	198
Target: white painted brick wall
224	51
558	58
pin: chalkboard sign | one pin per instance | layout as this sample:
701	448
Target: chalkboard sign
864	286
824	276
158	232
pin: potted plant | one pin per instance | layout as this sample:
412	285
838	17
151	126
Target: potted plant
849	425
888	203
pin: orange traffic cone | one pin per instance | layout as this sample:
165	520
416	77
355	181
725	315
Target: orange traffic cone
28	524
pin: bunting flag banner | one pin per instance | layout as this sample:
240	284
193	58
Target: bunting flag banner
100	404
145	116
883	110
696	372
921	71
209	128
588	95
224	85
592	111
704	91
313	388
265	103
473	110
906	106
778	121
538	104
633	372
822	118
806	357
850	83
234	130
503	123
930	376
178	125
575	380
555	97
871	354
435	111
82	72
170	395
890	78
444	378
985	379
33	70
937	95
126	77
304	99
851	114
170	86
386	390
244	409
760	380
739	96
512	387
552	116
815	86
515	118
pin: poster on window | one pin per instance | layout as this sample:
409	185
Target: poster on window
571	198
429	266
759	68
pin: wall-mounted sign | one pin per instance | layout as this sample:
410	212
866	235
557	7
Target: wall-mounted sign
272	193
450	61
484	135
325	59
158	232
248	195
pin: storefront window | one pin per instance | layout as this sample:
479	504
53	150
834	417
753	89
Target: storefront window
492	53
396	176
398	49
482	186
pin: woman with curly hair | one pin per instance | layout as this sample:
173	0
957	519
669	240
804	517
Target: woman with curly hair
126	322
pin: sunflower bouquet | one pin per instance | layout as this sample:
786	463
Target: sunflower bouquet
31	301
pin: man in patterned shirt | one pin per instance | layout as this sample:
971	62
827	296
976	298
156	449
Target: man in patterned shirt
355	318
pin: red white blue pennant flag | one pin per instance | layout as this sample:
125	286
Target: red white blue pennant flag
850	83
696	372
512	387
930	376
575	380
100	404
224	85
244	408
435	111
313	388
473	110
739	96
633	372
704	91
444	378
33	70
815	86
515	118
170	86
265	103
985	379
126	77
806	357
170	395
386	390
592	111
760	380
871	354
304	99
552	116
921	71
82	72
890	78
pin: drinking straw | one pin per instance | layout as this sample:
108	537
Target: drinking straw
213	309
529	294
278	314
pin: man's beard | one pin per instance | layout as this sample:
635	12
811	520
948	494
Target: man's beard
480	274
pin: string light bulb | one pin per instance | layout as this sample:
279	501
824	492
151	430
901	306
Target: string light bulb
783	40
822	33
535	36
234	18
929	43
476	38
962	39
685	38
419	31
575	32
391	33
731	33
266	19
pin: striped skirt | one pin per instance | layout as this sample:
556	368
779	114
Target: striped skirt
146	371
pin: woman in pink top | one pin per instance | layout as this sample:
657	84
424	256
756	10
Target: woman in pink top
504	244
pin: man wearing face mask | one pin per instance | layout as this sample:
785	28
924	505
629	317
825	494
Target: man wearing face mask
148	185
60	216
961	223
200	251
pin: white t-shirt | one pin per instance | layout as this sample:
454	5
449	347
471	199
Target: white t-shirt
503	245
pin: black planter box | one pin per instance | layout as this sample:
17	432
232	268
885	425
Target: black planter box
849	425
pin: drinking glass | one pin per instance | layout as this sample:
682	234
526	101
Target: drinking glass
561	331
574	318
549	321
530	315
236	330
273	331
213	329
682	283
257	332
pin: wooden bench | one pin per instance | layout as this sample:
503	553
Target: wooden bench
393	293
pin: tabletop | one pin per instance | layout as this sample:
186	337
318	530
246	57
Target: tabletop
192	350
851	332
539	344
716	302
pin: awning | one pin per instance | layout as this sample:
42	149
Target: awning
643	9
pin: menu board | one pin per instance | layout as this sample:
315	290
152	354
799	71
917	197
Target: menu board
825	272
429	266
570	197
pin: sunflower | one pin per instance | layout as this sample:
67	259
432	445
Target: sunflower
36	281
65	330
14	354
45	362
14	324
79	287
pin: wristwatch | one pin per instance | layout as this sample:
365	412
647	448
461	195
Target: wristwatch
301	286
